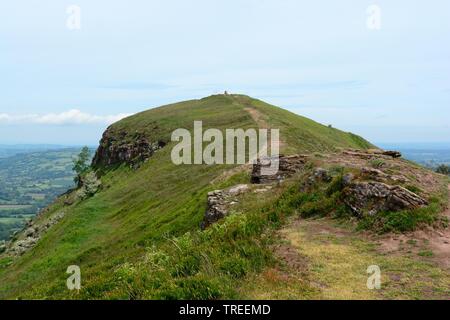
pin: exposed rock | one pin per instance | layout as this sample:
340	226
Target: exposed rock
389	153
21	246
347	179
115	149
380	176
321	174
287	166
393	154
219	202
68	201
262	190
373	197
359	154
30	232
31	236
318	175
89	185
371	153
372	173
2	246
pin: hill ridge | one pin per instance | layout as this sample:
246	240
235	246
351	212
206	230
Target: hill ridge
138	234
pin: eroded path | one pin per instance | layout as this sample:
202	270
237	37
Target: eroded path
323	260
257	117
261	121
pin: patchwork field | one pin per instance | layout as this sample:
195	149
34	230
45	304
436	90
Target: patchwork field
30	179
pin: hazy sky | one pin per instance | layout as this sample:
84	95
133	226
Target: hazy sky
316	58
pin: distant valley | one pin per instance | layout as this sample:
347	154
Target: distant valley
31	177
428	155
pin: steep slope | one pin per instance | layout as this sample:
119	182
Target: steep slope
143	206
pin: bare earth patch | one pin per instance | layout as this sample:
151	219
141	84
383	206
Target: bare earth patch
260	119
257	117
323	260
430	244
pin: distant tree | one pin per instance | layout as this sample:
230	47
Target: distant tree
81	164
443	169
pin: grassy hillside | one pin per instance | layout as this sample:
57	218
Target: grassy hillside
139	212
231	111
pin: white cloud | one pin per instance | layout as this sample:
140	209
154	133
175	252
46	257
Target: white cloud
73	116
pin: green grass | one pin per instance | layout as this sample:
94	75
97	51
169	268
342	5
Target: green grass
414	189
155	212
426	253
302	134
377	163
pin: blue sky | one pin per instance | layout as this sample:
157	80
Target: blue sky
315	58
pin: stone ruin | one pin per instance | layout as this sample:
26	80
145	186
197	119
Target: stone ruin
287	166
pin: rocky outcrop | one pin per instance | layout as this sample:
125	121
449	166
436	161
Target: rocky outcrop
89	185
372	153
287	166
380	176
318	175
219	203
393	154
31	235
373	197
116	149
